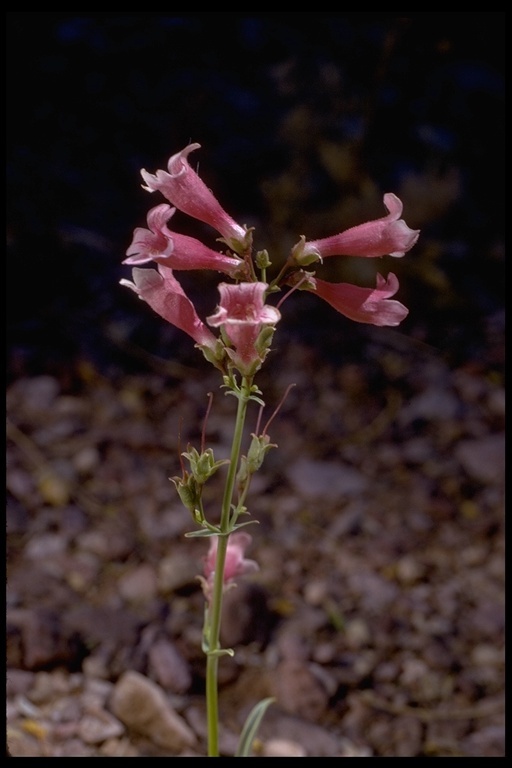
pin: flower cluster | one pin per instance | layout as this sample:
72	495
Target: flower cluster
236	338
245	321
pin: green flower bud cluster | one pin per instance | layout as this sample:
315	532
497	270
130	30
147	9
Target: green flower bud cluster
190	484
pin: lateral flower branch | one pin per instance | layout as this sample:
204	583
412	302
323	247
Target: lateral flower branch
236	339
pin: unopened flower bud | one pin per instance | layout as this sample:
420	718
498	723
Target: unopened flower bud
202	465
304	253
188	491
262	260
259	447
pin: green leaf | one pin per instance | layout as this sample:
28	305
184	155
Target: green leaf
242	525
251	726
257	400
222	652
203	533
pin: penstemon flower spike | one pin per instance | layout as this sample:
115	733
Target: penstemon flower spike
236	339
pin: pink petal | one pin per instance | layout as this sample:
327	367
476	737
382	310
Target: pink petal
166	297
389	235
187	191
364	305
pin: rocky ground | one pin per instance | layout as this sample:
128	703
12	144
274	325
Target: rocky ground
376	619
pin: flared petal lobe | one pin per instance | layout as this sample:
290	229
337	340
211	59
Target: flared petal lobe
154	242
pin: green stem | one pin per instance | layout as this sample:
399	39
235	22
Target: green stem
212	630
289	264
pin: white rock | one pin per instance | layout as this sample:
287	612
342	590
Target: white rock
483	458
99	726
139	585
143	706
168	666
283	748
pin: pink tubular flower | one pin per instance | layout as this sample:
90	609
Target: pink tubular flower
247	323
235	564
364	305
176	251
167	298
387	236
185	190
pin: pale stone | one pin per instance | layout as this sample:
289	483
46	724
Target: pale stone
283	748
143	706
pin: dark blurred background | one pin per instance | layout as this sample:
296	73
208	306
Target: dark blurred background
305	121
